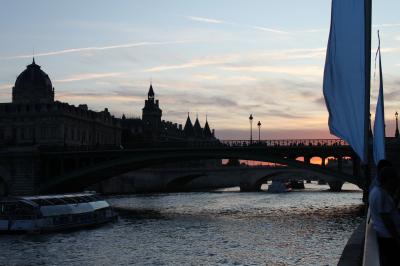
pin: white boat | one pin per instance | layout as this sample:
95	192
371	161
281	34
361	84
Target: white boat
278	187
53	212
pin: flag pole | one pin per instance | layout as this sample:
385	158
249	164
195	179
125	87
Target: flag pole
367	36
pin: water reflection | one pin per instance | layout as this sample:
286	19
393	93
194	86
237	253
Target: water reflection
308	227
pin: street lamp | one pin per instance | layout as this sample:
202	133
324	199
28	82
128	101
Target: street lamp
259	130
396	134
251	128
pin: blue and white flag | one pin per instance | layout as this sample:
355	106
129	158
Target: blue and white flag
379	124
344	75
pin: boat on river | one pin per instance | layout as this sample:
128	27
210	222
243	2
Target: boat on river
278	187
53	212
296	184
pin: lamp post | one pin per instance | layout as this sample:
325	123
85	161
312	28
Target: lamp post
251	128
396	134
259	130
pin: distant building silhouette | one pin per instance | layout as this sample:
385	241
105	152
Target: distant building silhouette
33	85
151	115
34	118
188	129
152	128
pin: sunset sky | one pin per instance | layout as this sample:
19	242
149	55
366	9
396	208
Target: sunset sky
224	58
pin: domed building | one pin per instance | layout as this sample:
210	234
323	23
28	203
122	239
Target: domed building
34	118
33	85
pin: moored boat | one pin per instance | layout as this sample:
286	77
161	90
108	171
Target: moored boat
296	184
278	187
53	212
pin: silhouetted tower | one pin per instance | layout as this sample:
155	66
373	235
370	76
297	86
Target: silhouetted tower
198	131
207	131
151	114
33	85
396	134
188	129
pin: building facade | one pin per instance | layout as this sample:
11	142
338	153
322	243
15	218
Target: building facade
34	118
152	128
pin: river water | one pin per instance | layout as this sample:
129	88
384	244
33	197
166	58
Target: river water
226	227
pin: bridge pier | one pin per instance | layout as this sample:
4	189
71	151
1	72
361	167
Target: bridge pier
307	159
335	186
249	187
356	166
340	164
20	172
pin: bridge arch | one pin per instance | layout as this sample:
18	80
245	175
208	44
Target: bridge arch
317	160
334	183
280	172
179	183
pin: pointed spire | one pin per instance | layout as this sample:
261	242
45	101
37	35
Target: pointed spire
33	56
207	131
150	94
198	131
188	129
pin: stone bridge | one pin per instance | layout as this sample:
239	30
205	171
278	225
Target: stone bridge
248	178
31	170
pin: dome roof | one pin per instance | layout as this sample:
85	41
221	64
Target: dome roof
33	76
33	84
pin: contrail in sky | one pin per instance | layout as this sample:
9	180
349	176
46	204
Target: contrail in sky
218	21
93	48
208	20
270	30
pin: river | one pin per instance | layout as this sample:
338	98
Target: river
225	227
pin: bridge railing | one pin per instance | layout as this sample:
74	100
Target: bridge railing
285	142
281	143
240	143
